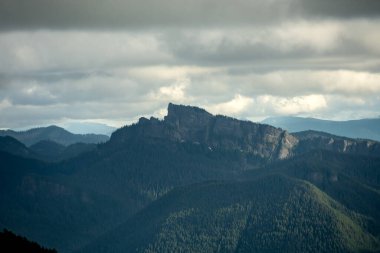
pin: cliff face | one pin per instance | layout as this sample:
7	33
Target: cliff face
309	140
197	126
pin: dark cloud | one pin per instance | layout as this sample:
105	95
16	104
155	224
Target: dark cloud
79	14
119	14
293	45
47	77
341	8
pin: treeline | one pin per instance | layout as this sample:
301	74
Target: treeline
11	243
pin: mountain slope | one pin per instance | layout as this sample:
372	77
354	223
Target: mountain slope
312	140
271	214
69	204
38	203
53	133
187	124
195	125
45	150
51	151
13	146
352	180
363	128
10	242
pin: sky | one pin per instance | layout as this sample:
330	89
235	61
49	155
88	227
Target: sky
111	62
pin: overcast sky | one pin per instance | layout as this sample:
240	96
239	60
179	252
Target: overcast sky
117	60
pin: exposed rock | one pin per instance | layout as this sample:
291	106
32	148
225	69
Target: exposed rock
309	140
195	125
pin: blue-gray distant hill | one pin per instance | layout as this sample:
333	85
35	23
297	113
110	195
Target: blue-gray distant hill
48	151
88	127
53	133
363	128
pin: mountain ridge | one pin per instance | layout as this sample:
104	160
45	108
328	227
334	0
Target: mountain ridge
248	218
53	133
45	150
362	128
196	125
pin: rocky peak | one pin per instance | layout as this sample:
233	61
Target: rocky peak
178	110
195	125
187	123
190	116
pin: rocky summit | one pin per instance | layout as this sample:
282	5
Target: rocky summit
197	126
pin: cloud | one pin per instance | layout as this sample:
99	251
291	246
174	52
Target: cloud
341	8
77	50
114	61
293	105
318	36
122	95
121	14
4	104
233	107
174	92
296	44
121	99
292	44
343	82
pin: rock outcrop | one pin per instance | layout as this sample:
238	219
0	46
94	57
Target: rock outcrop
197	126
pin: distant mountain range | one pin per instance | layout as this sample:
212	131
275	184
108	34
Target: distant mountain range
195	182
45	150
53	133
88	127
363	128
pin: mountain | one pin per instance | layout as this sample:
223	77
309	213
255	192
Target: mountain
51	151
45	150
75	150
363	128
53	133
135	186
45	206
88	127
352	180
187	124
311	140
194	125
13	146
13	243
270	214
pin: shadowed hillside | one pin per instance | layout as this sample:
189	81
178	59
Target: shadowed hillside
270	214
10	242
